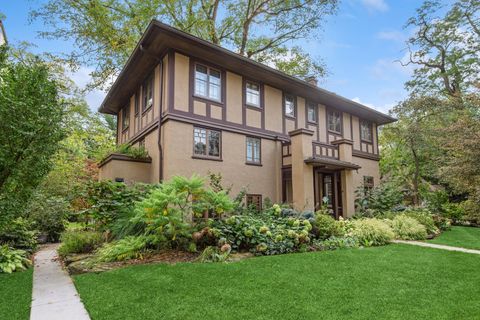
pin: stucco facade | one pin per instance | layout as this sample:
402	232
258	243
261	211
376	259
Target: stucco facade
310	149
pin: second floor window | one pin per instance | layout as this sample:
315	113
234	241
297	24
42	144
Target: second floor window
125	117
253	150
148	93
252	94
365	131
311	112
206	142
289	106
334	121
137	102
208	82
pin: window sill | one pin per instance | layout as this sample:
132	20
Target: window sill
366	141
290	117
254	164
207	158
252	106
125	129
312	123
147	109
207	99
335	132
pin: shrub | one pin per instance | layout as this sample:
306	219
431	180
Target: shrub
132	151
436	200
423	216
381	198
326	226
48	216
372	232
79	242
471	210
214	254
13	260
334	243
18	234
125	249
408	228
453	211
441	222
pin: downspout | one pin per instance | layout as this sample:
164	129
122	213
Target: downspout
160	150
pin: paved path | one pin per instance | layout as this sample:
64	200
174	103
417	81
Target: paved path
54	295
437	246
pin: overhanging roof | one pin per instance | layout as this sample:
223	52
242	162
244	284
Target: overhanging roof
159	37
330	163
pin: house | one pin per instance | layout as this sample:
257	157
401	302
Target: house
199	108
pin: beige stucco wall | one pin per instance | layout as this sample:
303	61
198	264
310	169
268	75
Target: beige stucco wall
182	65
273	109
130	171
301	112
369	168
234	98
151	144
254	118
178	151
322	120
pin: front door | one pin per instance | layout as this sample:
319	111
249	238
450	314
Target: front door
328	190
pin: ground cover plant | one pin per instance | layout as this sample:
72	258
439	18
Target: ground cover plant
465	237
15	295
391	282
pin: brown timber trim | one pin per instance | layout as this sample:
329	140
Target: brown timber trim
365	155
144	132
171	79
195	119
122	157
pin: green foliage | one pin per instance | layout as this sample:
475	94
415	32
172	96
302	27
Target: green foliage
453	211
441	222
436	200
372	232
18	233
106	200
471	211
125	249
48	215
425	217
79	242
31	113
326	226
334	243
136	152
213	254
408	228
381	198
12	260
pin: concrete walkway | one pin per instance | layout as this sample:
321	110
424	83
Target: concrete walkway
54	295
437	246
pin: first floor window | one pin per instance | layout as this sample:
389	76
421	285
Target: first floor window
254	201
334	121
368	183
125	117
206	142
289	106
208	82
366	130
311	112
252	94
253	150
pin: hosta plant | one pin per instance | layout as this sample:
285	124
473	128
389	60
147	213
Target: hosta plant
12	260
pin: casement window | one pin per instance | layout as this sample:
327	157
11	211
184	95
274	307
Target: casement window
137	102
311	112
253	150
208	82
206	142
147	93
125	117
335	121
290	106
254	200
366	131
368	183
252	94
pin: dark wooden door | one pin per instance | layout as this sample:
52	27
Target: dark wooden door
328	187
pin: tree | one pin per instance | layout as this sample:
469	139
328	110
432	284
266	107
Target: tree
106	31
445	49
32	112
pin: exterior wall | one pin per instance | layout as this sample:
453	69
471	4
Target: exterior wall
264	180
368	168
130	171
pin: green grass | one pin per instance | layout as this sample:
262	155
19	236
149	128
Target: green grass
466	237
392	282
16	295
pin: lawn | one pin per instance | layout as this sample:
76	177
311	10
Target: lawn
392	282
15	295
466	237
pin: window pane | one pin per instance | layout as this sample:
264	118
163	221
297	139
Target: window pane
311	113
214	91
200	141
214	143
214	77
253	150
253	94
334	121
365	131
201	80
289	106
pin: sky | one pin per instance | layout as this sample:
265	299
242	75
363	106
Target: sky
361	46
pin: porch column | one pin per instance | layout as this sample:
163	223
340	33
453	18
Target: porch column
302	173
345	148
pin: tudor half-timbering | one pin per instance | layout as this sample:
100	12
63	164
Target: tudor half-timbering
199	108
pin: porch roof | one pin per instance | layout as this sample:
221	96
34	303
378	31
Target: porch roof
330	163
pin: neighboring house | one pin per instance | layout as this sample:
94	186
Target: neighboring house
3	35
199	108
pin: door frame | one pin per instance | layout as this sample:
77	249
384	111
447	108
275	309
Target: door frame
337	206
